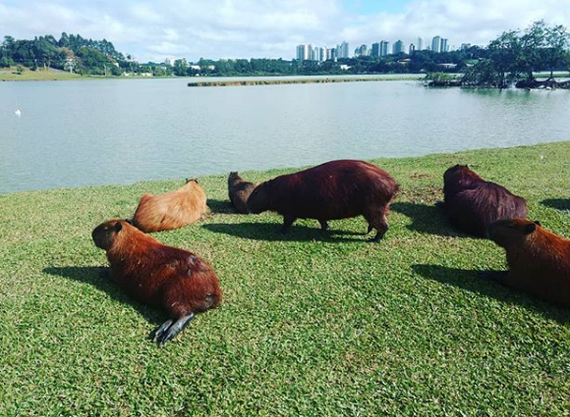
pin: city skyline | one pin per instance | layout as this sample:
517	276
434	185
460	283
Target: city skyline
214	29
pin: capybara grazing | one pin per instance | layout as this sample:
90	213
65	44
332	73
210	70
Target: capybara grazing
171	210
471	204
333	190
539	261
239	191
177	280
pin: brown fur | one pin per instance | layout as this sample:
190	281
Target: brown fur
539	261
334	190
171	210
471	203
175	279
239	191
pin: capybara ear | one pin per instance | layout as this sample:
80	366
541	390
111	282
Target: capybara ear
529	228
537	223
129	221
118	226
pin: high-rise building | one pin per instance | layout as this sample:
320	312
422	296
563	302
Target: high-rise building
375	49
420	44
444	45
384	48
304	52
465	46
436	44
399	47
342	50
331	54
362	50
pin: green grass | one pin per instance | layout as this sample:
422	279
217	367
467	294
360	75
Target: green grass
10	74
312	324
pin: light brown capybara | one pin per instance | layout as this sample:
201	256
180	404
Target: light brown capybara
171	210
333	190
155	274
539	261
471	204
239	191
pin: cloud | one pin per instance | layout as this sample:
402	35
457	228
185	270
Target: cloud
154	30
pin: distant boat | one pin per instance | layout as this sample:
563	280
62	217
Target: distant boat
18	113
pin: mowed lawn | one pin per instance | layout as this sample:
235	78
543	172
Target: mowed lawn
312	323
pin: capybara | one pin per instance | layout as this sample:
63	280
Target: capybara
333	190
171	210
239	191
539	261
471	204
177	280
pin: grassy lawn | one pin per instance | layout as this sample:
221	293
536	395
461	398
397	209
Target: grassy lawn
312	323
9	74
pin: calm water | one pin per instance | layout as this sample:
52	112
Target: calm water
78	133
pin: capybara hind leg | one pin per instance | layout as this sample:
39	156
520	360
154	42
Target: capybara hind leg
370	227
324	225
287	222
378	221
174	329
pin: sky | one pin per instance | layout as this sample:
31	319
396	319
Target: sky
215	29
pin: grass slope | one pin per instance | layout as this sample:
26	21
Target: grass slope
9	74
312	324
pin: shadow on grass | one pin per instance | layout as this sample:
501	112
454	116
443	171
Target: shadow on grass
100	279
482	282
297	233
221	207
426	219
557	203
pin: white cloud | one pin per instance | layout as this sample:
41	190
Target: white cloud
266	28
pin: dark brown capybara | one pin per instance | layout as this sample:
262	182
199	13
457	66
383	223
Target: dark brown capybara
175	279
171	210
471	204
539	261
333	190
239	191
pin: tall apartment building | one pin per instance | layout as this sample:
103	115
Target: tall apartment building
420	44
375	51
304	52
384	48
444	45
398	47
342	50
436	44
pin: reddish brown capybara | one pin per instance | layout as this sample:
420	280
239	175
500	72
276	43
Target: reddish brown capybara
175	279
471	204
171	210
539	261
239	191
333	190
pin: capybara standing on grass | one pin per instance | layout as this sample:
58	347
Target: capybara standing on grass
239	191
152	273
539	261
334	190
471	204
171	210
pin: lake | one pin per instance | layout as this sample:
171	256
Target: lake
77	133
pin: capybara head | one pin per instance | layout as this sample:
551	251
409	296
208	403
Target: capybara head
506	233
259	200
459	176
233	177
105	234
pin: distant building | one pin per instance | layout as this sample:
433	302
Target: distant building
362	50
420	44
465	46
331	54
342	50
375	49
384	48
399	47
436	44
411	49
303	52
444	46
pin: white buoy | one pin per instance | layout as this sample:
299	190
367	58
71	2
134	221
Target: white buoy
18	113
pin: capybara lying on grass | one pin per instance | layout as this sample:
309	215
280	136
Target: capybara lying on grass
471	204
177	280
239	191
539	261
334	190
171	210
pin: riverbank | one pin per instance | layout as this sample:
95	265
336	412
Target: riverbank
296	80
312	323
